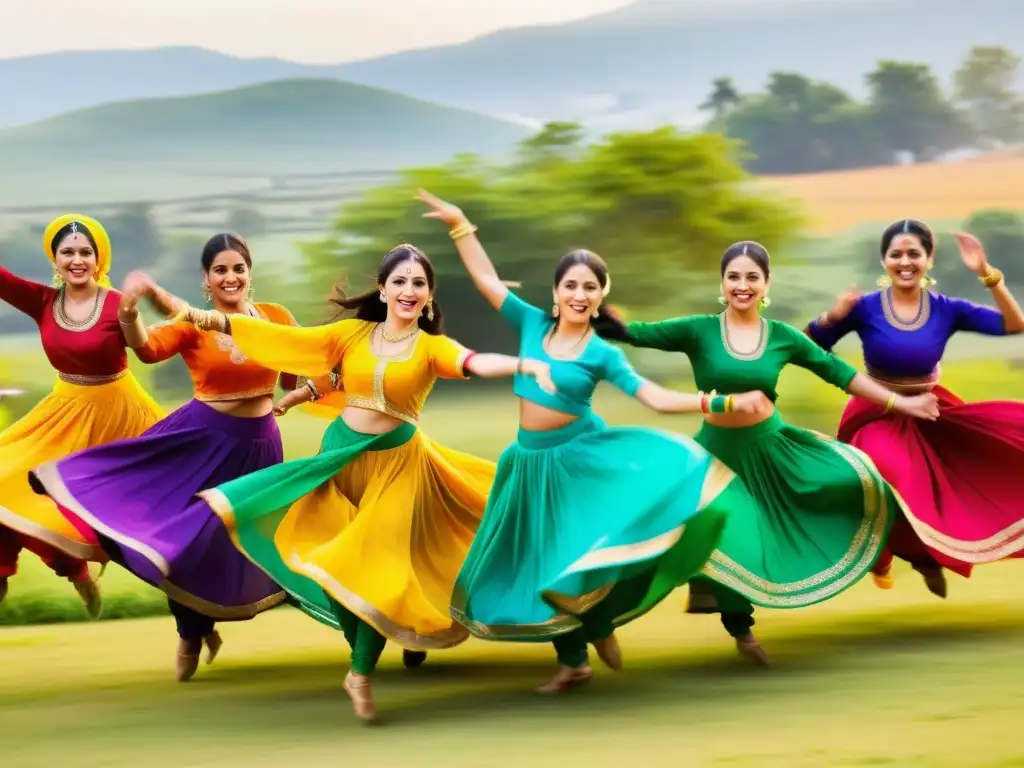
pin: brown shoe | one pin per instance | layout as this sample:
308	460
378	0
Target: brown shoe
187	661
749	647
3	588
89	590
359	691
213	643
609	652
934	578
567	678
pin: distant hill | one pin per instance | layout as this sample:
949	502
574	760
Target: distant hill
133	148
652	60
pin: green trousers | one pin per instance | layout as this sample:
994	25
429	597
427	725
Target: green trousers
601	620
367	643
734	610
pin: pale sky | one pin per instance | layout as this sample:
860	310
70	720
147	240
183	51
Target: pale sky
312	31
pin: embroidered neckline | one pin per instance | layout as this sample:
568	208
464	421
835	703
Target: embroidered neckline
756	353
919	321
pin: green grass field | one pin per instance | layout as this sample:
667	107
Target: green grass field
870	678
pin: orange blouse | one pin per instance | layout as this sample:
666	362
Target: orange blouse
220	371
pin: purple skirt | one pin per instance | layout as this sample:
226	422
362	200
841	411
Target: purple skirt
135	498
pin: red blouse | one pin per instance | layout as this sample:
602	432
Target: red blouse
96	348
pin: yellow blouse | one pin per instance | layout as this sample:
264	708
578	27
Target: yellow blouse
397	386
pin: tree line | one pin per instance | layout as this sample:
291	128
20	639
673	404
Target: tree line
801	125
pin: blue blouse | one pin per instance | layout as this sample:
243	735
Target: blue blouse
898	350
575	379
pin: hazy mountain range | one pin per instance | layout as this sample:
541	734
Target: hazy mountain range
652	60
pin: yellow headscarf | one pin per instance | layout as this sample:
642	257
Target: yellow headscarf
99	236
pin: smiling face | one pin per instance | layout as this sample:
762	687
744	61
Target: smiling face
906	261
75	260
228	279
578	295
744	283
406	291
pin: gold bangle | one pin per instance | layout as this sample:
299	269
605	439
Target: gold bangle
730	404
992	279
892	402
462	230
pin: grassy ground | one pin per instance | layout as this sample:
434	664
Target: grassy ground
870	678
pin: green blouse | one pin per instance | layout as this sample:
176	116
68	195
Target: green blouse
716	366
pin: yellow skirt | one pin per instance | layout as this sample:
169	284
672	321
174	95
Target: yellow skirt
71	418
381	524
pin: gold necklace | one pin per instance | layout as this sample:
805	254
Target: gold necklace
76	325
400	337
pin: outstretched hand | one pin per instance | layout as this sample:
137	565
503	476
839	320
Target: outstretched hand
972	252
439	209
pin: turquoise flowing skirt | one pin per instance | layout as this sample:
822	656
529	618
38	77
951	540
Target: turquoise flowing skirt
575	511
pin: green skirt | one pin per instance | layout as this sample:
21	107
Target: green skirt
591	518
824	515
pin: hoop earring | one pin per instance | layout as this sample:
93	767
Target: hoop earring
554	310
765	302
884	281
430	309
722	300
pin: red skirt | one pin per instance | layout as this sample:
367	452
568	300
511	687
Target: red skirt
960	478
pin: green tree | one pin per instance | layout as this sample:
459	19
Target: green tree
910	112
984	85
724	97
661	206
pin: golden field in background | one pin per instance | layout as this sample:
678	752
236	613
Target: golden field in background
930	192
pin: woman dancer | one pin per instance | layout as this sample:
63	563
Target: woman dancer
135	495
368	535
587	526
95	400
957	476
823	511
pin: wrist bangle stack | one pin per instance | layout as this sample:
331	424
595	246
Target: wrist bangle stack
462	230
992	279
314	393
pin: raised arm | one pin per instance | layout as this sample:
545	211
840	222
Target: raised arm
474	257
973	255
26	296
831	369
829	327
158	342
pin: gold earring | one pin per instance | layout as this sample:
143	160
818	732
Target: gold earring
928	281
765	302
208	295
722	300
554	310
430	308
251	294
596	314
382	299
57	280
884	281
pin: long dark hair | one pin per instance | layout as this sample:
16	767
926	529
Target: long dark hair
368	306
909	227
607	324
225	241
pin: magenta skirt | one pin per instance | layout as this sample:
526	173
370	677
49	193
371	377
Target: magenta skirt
960	477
